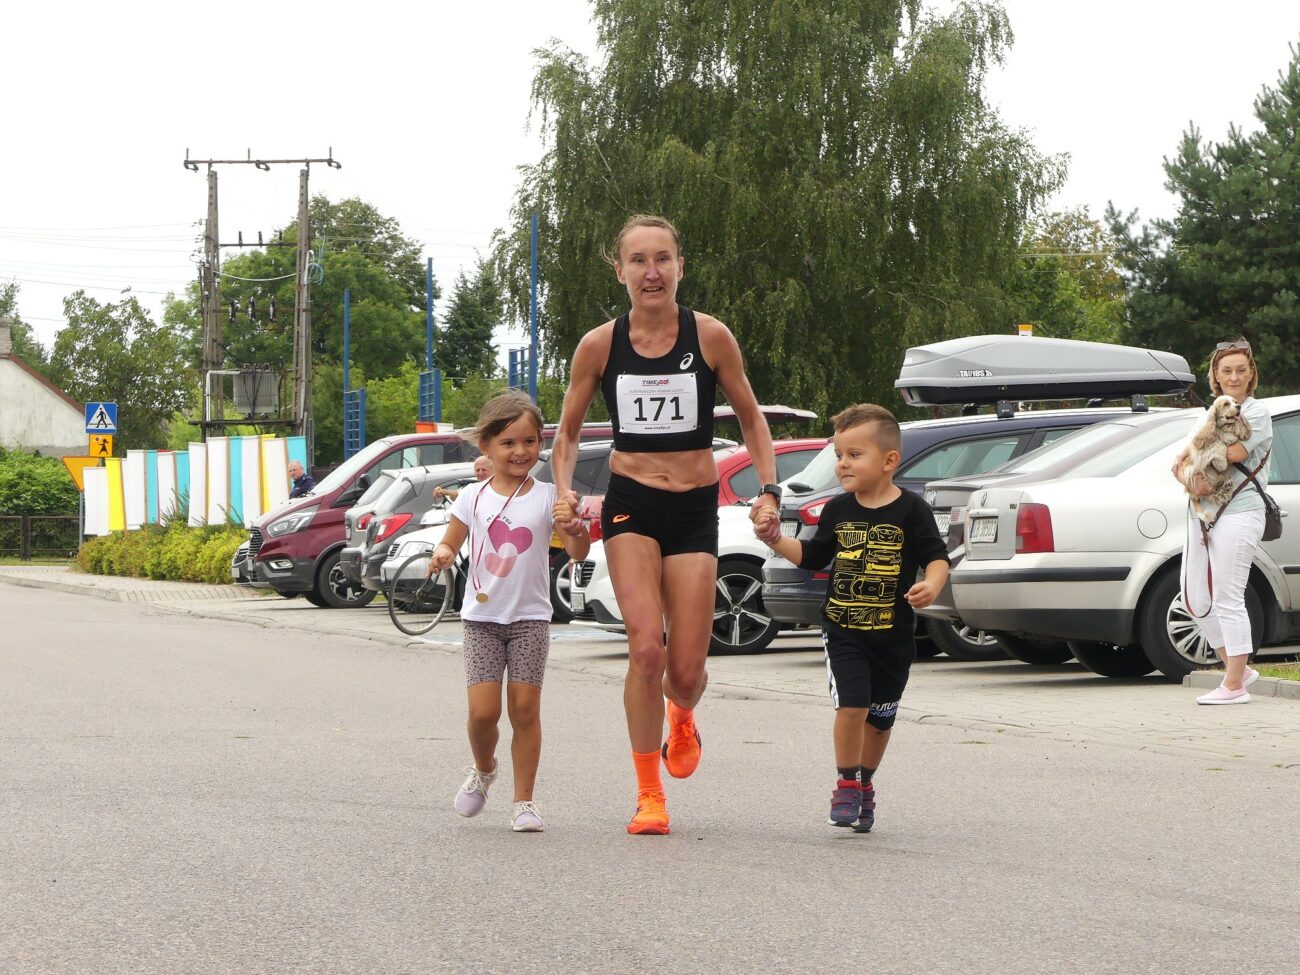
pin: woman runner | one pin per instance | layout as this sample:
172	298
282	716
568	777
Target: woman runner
658	366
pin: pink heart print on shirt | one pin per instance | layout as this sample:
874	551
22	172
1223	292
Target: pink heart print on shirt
509	543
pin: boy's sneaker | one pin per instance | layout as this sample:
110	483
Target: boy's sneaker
846	802
526	818
651	817
473	794
868	817
682	749
1221	695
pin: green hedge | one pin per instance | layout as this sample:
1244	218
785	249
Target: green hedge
174	552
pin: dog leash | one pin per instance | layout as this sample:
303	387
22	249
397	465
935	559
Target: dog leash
1205	539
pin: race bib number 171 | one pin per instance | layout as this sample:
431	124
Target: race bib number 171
657	404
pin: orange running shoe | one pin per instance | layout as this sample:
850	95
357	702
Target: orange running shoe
651	817
682	749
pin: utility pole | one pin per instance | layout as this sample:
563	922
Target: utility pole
213	351
300	418
301	415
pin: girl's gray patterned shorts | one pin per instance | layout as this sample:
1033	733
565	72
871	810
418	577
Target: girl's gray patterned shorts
520	648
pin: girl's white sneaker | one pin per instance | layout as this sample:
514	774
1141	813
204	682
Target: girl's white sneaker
526	818
473	794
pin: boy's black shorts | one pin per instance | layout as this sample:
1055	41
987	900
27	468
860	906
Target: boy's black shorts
680	521
865	676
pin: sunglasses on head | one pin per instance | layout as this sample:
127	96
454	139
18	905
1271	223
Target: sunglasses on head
1225	346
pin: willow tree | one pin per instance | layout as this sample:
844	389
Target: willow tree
842	188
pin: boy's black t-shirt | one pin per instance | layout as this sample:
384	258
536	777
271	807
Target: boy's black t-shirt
876	554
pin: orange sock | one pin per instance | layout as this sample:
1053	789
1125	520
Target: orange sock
647	771
679	715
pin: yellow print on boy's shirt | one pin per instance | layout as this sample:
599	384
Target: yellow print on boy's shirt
864	576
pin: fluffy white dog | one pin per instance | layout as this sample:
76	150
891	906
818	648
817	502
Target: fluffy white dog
1208	455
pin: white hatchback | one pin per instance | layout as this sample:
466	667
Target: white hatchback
740	622
1093	557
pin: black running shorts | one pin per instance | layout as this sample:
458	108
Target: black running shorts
865	676
680	521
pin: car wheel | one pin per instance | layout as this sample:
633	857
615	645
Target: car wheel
336	590
561	583
1170	635
1108	660
1037	652
741	624
960	642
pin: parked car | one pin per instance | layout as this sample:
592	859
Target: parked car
398	512
1093	557
737	478
939	448
296	548
355	521
949	499
741	623
590	481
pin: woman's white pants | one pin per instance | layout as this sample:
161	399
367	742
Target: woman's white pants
1233	540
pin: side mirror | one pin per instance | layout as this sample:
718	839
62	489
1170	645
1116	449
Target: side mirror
363	482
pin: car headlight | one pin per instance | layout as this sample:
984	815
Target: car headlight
295	522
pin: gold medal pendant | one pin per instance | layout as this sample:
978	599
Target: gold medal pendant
482	597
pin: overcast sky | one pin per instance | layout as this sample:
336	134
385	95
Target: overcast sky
426	106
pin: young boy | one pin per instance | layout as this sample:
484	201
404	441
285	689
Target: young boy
878	536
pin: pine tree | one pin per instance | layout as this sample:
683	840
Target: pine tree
1229	263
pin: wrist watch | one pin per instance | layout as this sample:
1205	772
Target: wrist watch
772	489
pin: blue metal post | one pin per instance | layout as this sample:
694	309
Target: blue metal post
532	317
428	315
347	337
437	394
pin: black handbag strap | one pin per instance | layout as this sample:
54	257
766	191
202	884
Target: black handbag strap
1250	475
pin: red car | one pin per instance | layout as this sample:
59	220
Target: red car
737	478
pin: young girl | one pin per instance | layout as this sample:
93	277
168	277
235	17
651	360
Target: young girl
508	520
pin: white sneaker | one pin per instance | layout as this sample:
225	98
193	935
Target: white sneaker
1252	675
473	794
1221	695
526	818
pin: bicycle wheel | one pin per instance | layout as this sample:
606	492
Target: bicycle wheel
417	602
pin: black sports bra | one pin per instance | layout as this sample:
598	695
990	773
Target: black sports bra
662	404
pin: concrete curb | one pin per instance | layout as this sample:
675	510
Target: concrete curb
1264	687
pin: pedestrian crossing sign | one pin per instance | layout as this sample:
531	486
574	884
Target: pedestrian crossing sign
101	418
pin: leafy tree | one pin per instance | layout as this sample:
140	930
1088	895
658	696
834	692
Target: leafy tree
115	352
1229	262
25	344
354	247
464	345
1067	283
35	485
842	187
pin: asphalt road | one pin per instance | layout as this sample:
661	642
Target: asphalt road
183	794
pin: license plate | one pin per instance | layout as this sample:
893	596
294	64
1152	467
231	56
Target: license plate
578	601
983	530
942	519
789	528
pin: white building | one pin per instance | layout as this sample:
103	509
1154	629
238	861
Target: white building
34	413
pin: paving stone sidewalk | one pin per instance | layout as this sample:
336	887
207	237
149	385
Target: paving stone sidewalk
118	588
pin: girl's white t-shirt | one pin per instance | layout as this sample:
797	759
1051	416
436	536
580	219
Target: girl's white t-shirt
510	560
